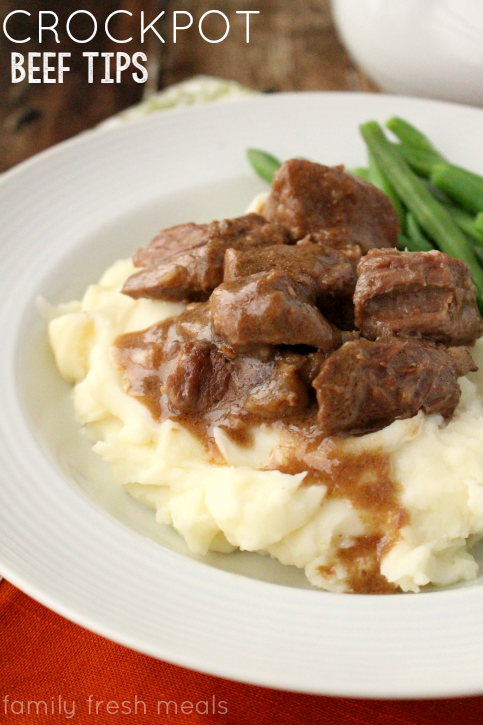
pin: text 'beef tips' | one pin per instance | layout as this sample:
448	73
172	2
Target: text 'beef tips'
180	367
418	293
308	197
366	385
194	272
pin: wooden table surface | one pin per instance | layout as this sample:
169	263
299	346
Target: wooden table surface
293	46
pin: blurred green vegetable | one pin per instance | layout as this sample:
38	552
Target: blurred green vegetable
430	214
467	223
362	173
264	164
378	178
419	242
464	187
421	161
410	135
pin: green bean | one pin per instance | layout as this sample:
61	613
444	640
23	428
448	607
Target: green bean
362	173
420	160
479	222
377	178
478	253
438	194
264	164
432	216
410	135
467	223
406	244
464	187
419	242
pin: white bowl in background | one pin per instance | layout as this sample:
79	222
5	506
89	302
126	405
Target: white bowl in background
430	48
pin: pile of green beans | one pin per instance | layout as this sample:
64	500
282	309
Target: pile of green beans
442	204
439	205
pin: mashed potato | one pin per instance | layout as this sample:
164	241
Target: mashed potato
239	505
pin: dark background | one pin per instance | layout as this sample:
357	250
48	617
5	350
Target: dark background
293	46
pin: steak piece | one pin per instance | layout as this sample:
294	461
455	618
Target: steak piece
281	395
170	241
335	237
179	367
308	197
333	271
365	386
417	293
189	276
271	308
193	274
198	378
146	358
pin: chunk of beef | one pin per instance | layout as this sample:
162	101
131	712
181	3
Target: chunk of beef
308	197
198	378
170	241
179	367
194	324
273	309
419	293
175	279
282	394
335	237
193	274
147	357
462	360
308	366
333	271
366	385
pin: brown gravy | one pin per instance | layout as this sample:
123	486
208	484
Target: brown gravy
363	479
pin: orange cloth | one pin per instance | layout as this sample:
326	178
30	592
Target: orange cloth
54	664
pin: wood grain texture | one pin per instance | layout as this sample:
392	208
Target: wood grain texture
293	47
35	116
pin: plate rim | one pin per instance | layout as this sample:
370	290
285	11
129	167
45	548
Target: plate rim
32	589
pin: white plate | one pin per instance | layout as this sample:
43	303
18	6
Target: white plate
84	548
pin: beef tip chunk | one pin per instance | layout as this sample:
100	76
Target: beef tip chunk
335	237
309	366
194	324
365	386
170	241
417	293
140	356
193	274
145	358
273	309
333	271
283	394
198	378
179	368
173	280
462	361
308	197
